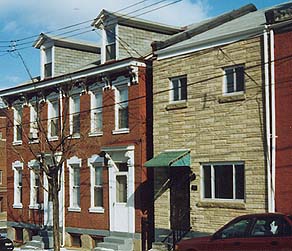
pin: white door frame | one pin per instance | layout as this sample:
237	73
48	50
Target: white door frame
124	154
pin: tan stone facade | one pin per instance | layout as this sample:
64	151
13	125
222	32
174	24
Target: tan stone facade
215	128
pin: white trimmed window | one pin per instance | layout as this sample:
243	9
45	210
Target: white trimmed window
17	167
122	109
17	136
48	62
34	184
178	89
96	112
96	184
53	119
223	181
233	81
110	43
74	165
33	130
74	108
1	177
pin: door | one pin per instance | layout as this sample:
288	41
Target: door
122	211
180	198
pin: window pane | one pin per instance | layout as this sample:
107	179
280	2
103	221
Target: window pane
223	181
48	70
110	51
239	179
110	34
54	126
76	177
98	196
183	82
267	227
175	89
76	123
98	176
207	181
123	167
239	78
229	80
123	117
121	192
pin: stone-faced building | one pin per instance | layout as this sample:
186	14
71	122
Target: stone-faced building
103	109
212	109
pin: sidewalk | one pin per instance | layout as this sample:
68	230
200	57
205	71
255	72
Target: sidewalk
39	249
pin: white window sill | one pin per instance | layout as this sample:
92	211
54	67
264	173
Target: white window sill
17	205
75	136
96	210
16	143
222	203
95	134
35	141
53	138
36	206
121	131
74	209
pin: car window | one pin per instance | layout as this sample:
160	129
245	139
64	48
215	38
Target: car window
271	227
234	230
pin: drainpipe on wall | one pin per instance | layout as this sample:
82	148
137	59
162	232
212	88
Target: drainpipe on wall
63	175
273	117
267	106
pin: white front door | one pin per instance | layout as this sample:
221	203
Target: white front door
121	191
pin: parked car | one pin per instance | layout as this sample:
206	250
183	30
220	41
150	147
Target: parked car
256	232
5	244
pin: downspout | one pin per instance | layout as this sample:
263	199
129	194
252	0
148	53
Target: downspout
63	175
273	117
267	106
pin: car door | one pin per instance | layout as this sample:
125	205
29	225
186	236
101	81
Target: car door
270	234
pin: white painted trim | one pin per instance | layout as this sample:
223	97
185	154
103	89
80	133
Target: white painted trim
33	165
16	166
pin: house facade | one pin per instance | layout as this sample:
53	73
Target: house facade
104	109
213	124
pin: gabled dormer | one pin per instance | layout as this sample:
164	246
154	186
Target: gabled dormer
59	56
124	36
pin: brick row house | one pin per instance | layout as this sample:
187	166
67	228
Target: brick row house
220	129
102	93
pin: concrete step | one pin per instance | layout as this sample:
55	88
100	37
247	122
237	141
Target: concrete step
115	243
33	245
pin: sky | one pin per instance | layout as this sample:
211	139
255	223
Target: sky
22	21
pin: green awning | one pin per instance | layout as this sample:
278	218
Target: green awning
171	159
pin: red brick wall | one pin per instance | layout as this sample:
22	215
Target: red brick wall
86	147
283	76
3	165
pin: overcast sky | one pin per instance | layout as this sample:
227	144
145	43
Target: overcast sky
23	20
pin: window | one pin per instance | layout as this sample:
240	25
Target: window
48	70
237	229
122	112
33	123
47	63
96	180
53	118
223	181
75	116
178	89
17	167
96	112
110	47
122	183
270	227
233	80
1	177
34	184
74	165
17	124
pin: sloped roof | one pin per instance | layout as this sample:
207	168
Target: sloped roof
107	18
67	43
245	26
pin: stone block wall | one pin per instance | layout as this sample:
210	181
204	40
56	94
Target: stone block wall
213	127
69	60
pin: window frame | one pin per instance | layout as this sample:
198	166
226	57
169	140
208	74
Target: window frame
96	107
179	89
109	43
17	124
225	86
213	184
17	167
34	188
74	163
1	177
74	114
95	162
119	104
53	114
33	117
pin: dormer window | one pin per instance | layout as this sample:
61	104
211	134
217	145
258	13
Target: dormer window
110	43
47	62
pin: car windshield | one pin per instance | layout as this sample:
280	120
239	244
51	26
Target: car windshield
234	230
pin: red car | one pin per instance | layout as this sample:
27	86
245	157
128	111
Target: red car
256	232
